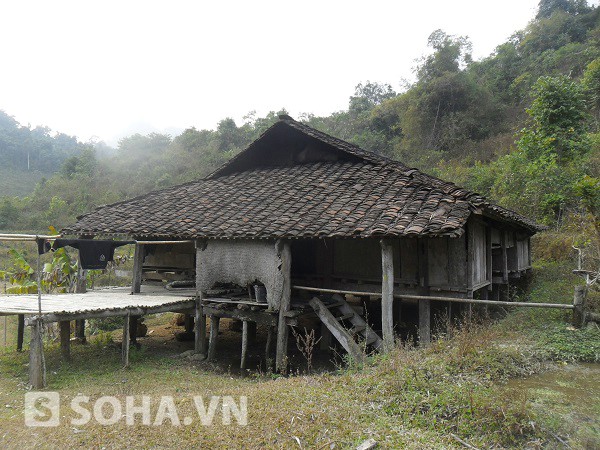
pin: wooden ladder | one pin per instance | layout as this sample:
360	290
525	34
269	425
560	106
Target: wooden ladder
333	314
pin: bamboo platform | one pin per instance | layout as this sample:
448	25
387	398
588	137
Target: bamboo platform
98	303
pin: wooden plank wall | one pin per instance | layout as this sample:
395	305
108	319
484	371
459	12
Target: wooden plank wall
478	264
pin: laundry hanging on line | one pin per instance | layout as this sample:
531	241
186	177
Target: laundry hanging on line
94	254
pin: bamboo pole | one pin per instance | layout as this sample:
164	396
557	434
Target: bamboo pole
442	299
163	242
26	237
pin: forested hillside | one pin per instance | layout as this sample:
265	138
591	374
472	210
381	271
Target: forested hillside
520	126
26	154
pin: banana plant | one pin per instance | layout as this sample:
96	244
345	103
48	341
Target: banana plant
59	275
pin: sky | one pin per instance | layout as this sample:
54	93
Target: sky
103	70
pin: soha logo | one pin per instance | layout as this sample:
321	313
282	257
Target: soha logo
42	409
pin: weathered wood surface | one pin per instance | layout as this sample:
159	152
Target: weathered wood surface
387	294
138	263
269	345
285	253
80	330
359	324
214	336
244	344
199	328
261	318
112	302
424	305
235	301
20	332
337	330
37	364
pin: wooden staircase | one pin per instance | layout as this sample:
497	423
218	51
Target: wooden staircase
354	339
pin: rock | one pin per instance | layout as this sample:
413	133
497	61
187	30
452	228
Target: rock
367	445
187	353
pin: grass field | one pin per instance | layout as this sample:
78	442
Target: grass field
466	387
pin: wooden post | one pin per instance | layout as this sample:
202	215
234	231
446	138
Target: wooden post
199	328
488	255
579	306
285	253
65	339
138	262
214	335
125	343
133	326
20	331
387	294
81	284
424	305
37	364
269	345
244	344
80	330
80	288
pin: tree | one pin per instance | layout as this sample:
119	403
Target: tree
558	125
369	95
591	83
451	54
548	7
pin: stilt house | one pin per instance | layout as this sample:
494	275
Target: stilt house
301	212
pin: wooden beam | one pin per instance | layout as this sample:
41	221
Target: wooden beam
184	305
65	339
214	336
262	318
138	263
125	343
199	328
244	344
387	294
80	288
20	331
424	305
37	365
285	253
337	330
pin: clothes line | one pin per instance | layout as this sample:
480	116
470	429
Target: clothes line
34	237
27	237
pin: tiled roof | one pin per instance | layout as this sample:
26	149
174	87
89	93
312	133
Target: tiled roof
364	195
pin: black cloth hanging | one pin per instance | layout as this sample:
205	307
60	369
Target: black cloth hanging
94	254
43	245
